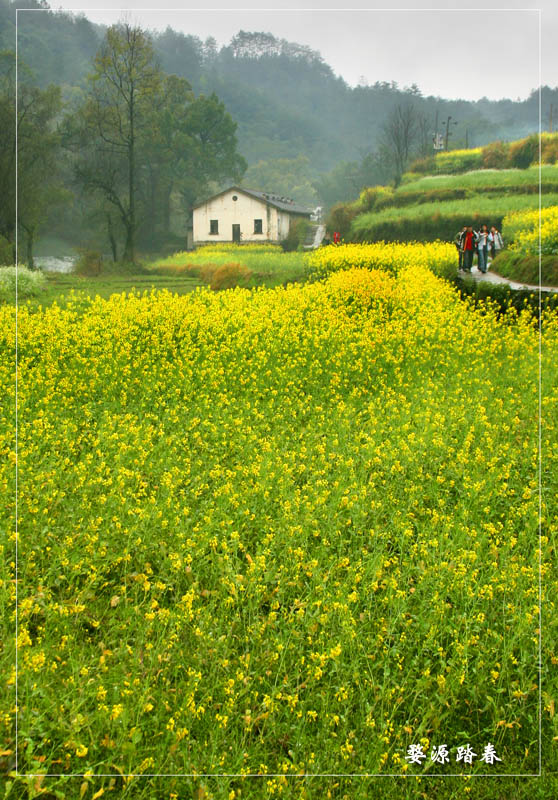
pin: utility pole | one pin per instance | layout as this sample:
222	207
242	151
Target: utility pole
550	119
466	138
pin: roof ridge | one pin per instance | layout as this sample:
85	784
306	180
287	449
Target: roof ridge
278	201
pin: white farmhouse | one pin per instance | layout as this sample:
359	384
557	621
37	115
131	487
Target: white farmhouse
244	215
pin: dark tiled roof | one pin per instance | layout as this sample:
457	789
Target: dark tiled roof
278	201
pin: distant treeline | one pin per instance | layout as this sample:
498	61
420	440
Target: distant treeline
118	164
286	100
287	124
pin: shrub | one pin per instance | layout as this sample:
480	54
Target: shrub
483	294
524	152
340	218
374	197
297	233
423	166
29	283
454	161
549	147
524	267
229	275
495	155
6	251
204	272
89	263
218	276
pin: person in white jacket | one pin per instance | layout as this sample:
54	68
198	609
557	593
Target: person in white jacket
483	243
496	243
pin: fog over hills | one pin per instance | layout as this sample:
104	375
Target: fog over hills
288	103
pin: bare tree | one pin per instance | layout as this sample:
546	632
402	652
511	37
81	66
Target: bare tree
400	135
424	136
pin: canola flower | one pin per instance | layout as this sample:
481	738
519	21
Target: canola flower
277	531
394	257
522	230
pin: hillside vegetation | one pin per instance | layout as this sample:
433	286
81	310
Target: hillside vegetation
499	155
427	207
441	220
287	101
525	232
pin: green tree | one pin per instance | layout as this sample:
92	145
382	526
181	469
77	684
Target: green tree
291	177
211	155
38	149
109	128
141	136
189	146
164	145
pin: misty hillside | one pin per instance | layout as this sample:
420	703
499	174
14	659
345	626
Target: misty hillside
286	100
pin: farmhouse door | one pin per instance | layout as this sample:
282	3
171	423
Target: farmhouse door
236	233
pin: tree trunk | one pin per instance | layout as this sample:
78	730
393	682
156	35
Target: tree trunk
166	209
128	255
129	250
112	239
150	225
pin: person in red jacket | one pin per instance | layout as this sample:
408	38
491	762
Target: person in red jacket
469	243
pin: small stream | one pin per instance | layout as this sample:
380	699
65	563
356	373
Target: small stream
55	264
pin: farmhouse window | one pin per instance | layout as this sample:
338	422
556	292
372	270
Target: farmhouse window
258	226
213	226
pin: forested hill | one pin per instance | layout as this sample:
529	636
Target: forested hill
286	100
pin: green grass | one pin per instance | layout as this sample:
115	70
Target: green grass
525	268
180	273
268	265
482	179
59	287
430	221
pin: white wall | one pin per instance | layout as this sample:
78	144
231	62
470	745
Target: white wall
228	212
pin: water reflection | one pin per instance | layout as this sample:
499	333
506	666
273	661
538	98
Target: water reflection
54	264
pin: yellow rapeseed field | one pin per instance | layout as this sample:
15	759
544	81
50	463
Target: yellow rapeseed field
277	532
527	230
439	257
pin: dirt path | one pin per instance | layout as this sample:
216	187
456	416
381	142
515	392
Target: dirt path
493	277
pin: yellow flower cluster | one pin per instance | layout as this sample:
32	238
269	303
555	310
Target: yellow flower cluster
390	256
522	230
277	531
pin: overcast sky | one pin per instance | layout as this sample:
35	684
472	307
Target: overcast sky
448	49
